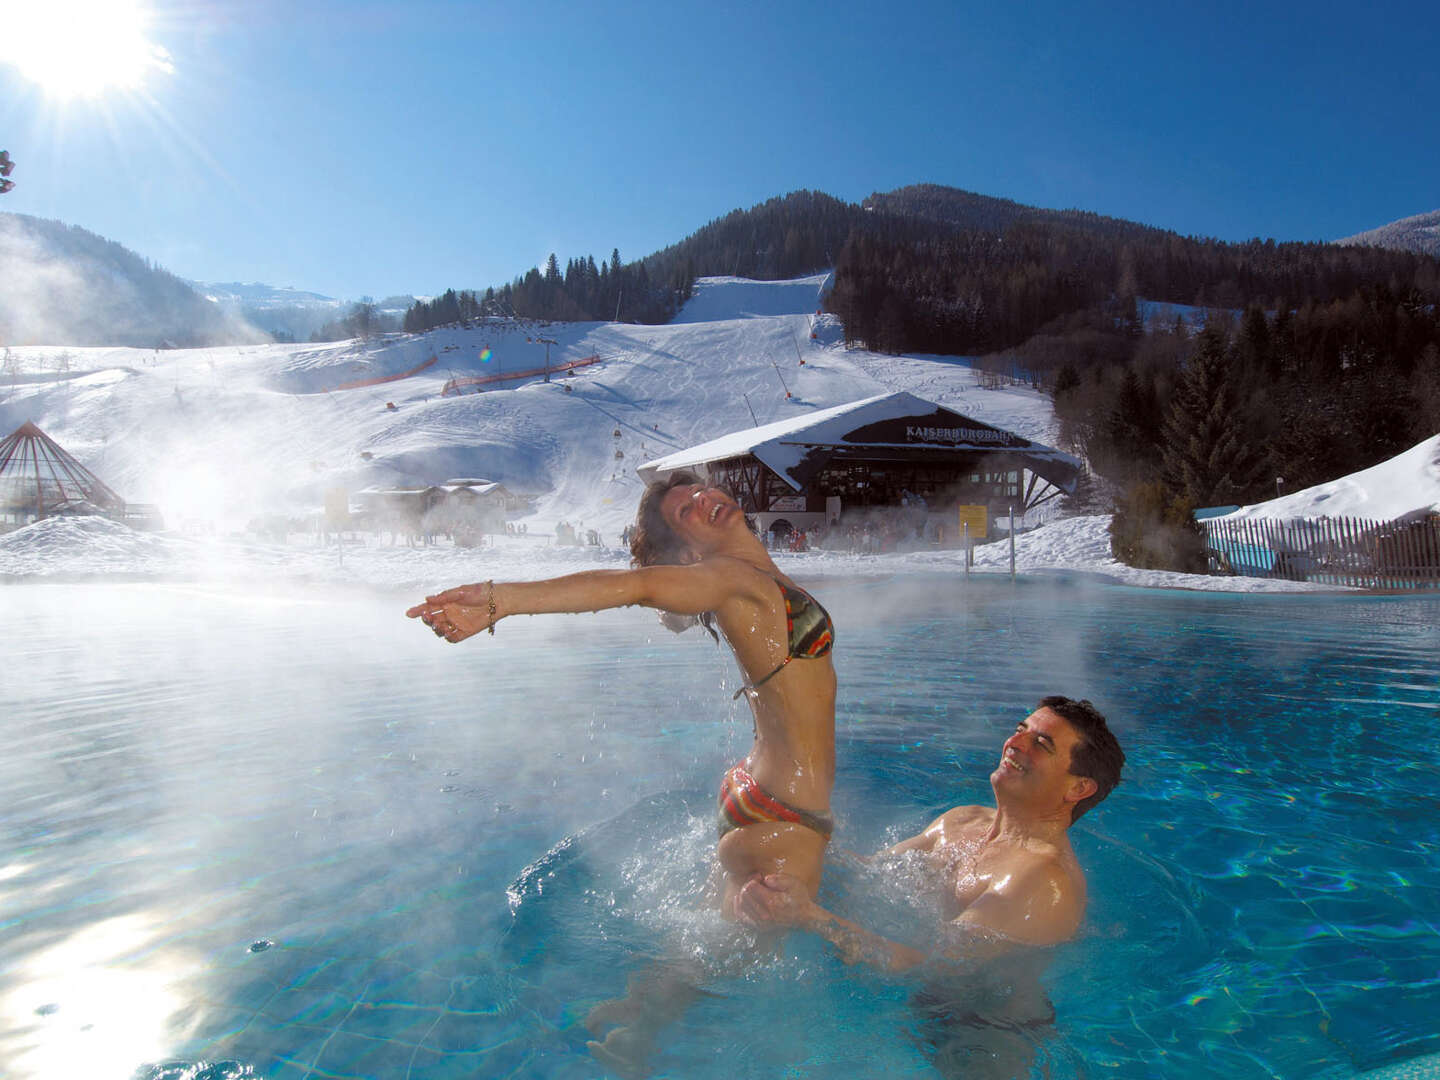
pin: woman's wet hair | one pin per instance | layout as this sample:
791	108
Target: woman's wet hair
654	542
1097	755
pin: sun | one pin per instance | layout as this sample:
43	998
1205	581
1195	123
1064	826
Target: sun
81	48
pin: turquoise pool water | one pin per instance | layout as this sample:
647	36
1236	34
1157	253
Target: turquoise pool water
291	833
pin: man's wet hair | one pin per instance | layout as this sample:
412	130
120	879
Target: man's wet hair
1097	755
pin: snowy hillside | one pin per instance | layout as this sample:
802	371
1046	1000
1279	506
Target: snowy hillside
1420	233
1405	484
219	436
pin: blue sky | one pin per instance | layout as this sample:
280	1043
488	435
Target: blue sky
369	147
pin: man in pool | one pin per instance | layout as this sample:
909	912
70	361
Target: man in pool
1009	875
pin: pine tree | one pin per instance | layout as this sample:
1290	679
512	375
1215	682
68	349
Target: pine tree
1254	346
1133	427
1426	388
1206	459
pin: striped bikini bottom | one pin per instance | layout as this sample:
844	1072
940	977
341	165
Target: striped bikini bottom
744	802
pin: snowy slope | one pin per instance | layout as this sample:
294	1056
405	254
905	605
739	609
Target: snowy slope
222	435
720	298
1405	484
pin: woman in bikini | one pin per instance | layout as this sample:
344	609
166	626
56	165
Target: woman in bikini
694	555
695	558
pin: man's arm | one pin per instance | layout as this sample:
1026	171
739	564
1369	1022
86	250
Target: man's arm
781	899
922	841
860	946
1040	909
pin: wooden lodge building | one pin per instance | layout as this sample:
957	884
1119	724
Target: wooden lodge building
891	454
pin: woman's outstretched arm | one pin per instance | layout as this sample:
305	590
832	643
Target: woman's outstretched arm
462	612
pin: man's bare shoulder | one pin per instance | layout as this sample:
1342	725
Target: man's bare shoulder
966	817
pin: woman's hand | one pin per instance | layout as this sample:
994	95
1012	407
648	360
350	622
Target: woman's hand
459	613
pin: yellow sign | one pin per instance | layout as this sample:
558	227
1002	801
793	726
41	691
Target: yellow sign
337	508
977	517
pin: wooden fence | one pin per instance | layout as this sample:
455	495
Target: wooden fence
1400	554
458	384
376	380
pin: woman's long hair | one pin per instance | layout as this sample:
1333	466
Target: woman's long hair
655	543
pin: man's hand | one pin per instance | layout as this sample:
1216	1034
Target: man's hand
775	899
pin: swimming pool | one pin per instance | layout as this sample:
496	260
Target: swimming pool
287	831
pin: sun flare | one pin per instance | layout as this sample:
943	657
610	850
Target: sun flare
82	48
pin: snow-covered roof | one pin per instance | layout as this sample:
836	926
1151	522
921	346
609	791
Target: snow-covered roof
797	448
479	487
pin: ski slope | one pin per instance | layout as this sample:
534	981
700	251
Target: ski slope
220	437
217	437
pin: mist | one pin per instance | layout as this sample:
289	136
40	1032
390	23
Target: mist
67	286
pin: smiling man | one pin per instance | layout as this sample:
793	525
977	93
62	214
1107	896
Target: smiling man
1008	874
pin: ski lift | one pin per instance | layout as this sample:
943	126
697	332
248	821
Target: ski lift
6	165
619	455
617	433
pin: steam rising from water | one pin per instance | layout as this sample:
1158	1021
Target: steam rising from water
66	286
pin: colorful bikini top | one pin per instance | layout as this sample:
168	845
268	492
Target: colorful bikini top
808	629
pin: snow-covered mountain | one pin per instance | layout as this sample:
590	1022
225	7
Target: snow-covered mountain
1420	233
239	294
290	314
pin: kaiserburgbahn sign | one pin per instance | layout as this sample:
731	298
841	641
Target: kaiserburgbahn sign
957	436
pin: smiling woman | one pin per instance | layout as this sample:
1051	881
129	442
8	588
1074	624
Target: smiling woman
82	48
